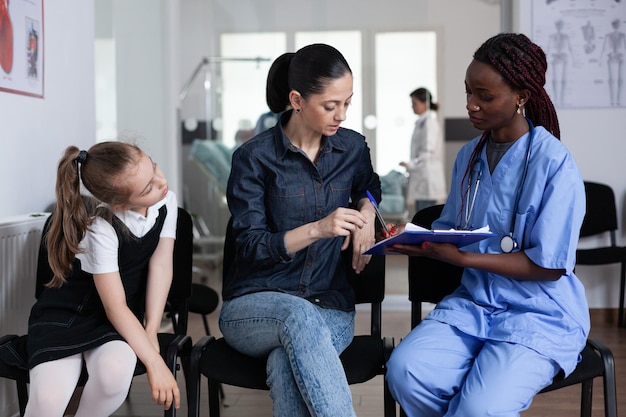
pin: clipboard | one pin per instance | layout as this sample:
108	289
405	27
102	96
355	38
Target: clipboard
416	235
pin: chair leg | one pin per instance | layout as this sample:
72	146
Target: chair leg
22	396
214	398
389	402
586	395
610	392
206	325
620	310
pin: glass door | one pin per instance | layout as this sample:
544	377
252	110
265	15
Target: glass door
404	61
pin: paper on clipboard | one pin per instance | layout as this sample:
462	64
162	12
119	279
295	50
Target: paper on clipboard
416	235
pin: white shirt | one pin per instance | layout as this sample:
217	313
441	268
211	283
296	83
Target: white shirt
99	247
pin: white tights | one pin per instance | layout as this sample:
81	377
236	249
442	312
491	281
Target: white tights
110	368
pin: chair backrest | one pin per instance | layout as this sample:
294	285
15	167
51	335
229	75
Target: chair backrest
429	279
369	285
180	290
601	215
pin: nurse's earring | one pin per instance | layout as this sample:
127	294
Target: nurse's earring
519	109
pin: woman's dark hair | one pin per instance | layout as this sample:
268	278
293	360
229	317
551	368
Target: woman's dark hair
422	94
306	71
523	66
102	170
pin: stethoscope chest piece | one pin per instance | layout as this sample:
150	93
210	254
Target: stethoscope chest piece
507	243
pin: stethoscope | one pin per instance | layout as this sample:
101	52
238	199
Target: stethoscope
508	242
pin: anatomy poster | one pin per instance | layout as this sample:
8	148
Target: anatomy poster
585	44
21	47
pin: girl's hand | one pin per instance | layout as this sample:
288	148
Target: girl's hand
154	340
163	385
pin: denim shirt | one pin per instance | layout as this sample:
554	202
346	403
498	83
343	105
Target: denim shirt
273	188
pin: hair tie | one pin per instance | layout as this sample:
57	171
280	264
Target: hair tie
82	155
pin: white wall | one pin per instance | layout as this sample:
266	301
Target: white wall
595	139
34	132
147	56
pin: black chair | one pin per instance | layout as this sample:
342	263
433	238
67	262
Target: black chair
173	346
207	256
204	300
601	219
431	280
362	360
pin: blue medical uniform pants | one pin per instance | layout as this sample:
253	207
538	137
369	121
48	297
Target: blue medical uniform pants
303	341
439	371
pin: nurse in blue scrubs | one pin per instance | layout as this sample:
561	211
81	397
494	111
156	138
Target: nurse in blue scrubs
520	314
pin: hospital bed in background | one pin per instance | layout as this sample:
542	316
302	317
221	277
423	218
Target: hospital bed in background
393	205
206	168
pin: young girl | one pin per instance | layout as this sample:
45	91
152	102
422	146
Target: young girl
520	314
111	272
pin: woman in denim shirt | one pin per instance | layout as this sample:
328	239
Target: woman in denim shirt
290	190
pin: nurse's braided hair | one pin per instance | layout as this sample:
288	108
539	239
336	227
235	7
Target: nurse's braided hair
523	66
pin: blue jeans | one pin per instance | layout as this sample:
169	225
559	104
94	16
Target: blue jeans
302	342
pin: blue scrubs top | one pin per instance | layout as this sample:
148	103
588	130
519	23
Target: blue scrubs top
551	317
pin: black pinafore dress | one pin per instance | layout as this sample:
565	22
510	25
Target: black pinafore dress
71	319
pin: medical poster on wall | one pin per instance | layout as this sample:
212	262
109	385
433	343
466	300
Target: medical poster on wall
585	44
21	47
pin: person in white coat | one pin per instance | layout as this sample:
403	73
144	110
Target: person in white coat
426	185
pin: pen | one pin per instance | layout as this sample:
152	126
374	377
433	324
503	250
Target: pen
380	216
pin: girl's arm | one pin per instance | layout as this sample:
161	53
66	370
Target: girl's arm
160	273
165	390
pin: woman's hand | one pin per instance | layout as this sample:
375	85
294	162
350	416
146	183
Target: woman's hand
362	239
163	385
341	222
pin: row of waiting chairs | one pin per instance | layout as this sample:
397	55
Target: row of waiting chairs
364	359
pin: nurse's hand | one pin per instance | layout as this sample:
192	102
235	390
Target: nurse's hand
446	252
394	229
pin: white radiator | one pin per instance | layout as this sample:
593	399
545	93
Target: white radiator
19	248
